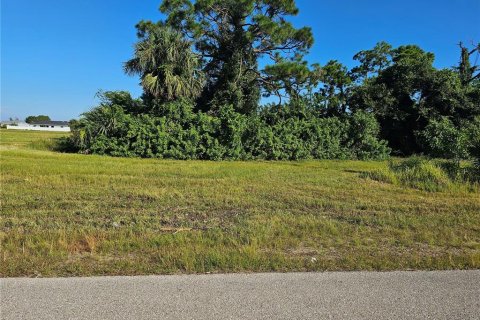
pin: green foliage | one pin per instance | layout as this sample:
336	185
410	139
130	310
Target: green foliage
409	98
32	119
202	84
332	96
291	78
294	132
443	139
372	61
467	72
175	130
122	99
231	36
472	131
168	68
363	137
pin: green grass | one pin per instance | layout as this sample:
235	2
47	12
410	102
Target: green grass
72	215
427	174
20	139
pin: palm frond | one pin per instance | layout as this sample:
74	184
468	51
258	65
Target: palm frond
166	64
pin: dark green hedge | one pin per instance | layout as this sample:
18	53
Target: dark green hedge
174	130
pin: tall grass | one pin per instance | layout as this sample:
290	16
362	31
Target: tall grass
426	174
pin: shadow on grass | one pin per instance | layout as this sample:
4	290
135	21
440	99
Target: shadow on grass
62	145
354	171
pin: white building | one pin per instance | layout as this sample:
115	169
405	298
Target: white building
61	126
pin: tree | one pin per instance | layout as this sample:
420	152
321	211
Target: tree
291	78
335	89
231	36
465	68
124	100
372	61
397	96
32	119
406	94
167	67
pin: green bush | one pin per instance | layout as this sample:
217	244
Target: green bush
441	138
363	137
472	131
175	130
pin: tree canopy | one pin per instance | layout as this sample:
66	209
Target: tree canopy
405	91
41	117
231	36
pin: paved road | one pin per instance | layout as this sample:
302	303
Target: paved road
354	295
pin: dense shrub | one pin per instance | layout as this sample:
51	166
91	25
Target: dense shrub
174	130
363	135
472	130
441	138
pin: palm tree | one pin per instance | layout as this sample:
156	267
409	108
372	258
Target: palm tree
166	64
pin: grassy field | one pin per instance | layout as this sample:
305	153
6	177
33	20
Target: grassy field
72	215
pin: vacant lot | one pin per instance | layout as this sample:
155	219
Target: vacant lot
69	214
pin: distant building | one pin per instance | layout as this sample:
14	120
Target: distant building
61	126
4	123
15	123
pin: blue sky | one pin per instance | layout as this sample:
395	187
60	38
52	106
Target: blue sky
56	54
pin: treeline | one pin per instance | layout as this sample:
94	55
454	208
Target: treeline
203	85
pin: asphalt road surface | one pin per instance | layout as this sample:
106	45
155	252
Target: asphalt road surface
342	295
